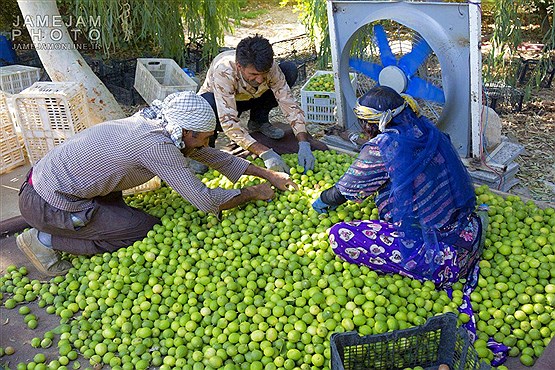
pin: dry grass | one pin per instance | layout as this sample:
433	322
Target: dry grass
534	127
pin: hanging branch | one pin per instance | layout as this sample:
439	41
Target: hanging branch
155	28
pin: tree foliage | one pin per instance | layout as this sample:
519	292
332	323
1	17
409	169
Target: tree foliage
161	28
8	15
517	22
315	19
155	28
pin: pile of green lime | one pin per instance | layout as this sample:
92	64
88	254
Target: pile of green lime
261	288
321	82
515	298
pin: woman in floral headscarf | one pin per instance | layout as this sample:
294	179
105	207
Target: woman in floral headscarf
428	228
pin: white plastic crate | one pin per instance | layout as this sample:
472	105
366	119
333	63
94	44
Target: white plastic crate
319	106
10	147
151	184
16	78
48	113
156	78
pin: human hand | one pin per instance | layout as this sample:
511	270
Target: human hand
305	156
282	181
263	191
321	207
273	161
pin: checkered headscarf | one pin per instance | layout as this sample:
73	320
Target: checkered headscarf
182	110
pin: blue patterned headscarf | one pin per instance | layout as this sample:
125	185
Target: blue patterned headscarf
430	187
182	110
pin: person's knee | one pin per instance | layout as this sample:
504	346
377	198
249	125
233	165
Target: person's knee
149	223
209	97
290	71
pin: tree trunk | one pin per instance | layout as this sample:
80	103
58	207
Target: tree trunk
62	61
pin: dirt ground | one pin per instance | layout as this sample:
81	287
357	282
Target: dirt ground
275	23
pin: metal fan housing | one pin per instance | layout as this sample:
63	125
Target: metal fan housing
450	29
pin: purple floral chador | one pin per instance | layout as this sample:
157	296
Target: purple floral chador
428	229
382	247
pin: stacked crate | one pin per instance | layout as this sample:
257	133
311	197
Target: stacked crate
156	78
10	148
16	78
13	79
48	113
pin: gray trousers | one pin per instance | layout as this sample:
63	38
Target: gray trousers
109	225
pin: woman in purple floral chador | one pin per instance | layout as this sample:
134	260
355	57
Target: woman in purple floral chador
428	228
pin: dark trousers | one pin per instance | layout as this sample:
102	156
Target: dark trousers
547	359
259	107
109	225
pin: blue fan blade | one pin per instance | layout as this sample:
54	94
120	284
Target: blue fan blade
410	62
419	88
371	70
386	56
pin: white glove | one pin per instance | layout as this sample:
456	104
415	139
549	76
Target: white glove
305	156
273	161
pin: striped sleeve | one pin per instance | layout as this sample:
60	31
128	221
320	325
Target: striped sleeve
365	176
230	166
167	162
